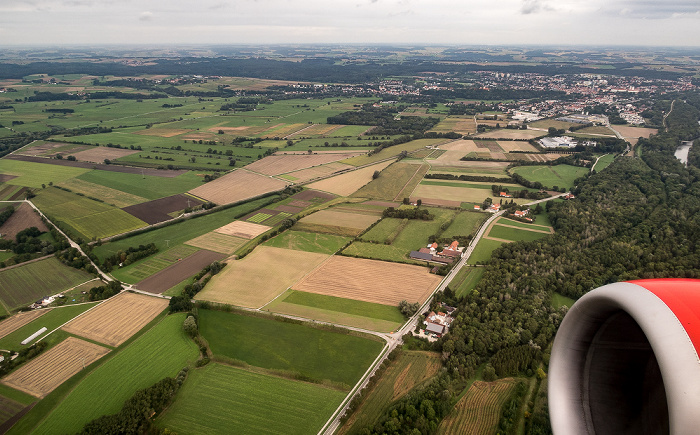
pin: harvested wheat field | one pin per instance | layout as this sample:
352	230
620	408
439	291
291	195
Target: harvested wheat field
246	230
512	134
47	371
280	164
332	217
99	154
115	320
375	281
250	282
218	242
237	186
10	325
316	172
163	132
318	130
456	150
347	183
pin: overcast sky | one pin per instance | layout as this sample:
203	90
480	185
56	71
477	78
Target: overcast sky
576	22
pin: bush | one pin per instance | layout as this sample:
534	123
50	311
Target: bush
190	326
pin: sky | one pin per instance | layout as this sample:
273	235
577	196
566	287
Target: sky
468	22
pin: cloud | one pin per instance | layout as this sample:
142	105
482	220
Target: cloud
534	6
145	16
652	9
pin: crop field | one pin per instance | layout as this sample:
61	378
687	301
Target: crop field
223	399
146	186
454	151
409	370
23	217
509	233
160	210
162	351
246	230
290	347
512	134
304	175
249	283
99	154
118	318
47	371
347	183
35	174
392	151
541	225
331	218
237	186
483	250
369	280
550	176
464	224
479	411
149	266
310	242
8	409
51	319
281	164
437	193
466	280
26	283
516	145
176	273
88	218
392	181
464	125
50	149
376	317
218	242
111	196
17	321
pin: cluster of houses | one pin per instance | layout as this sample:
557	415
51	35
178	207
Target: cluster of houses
445	256
439	323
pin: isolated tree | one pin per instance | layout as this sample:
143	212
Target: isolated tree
190	326
375	175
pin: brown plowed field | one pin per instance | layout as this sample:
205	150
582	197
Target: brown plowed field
289	209
301	204
47	371
281	164
6	177
157	210
50	149
246	230
347	183
10	325
340	219
237	186
115	320
370	280
101	166
178	272
260	277
99	154
217	242
24	217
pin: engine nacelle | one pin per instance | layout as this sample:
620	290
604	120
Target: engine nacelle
625	361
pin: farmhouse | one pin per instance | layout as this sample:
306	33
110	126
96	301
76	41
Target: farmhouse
437	323
494	208
505	195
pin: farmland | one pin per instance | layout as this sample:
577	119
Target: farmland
26	283
395	150
377	317
146	186
218	242
337	222
409	370
454	193
175	273
14	330
464	224
466	280
85	217
237	186
370	280
223	399
550	176
23	217
509	233
347	183
392	181
288	347
149	266
479	410
50	369
17	321
248	282
35	174
162	351
310	242
109	195
280	164
246	230
118	318
483	250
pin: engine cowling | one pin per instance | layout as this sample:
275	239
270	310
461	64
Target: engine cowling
625	361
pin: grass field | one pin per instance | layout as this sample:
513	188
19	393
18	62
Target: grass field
51	320
407	371
160	352
550	176
310	242
391	181
111	196
87	218
466	280
219	399
333	218
173	235
145	186
35	174
559	301
483	250
464	224
146	267
604	162
277	345
391	151
249	282
479	410
514	234
24	284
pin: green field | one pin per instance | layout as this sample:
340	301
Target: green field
391	181
146	267
176	234
550	176
483	250
391	151
32	174
464	224
535	226
160	352
291	347
147	186
24	284
219	399
514	234
559	301
310	242
85	217
51	320
604	162
466	280
385	229
347	306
